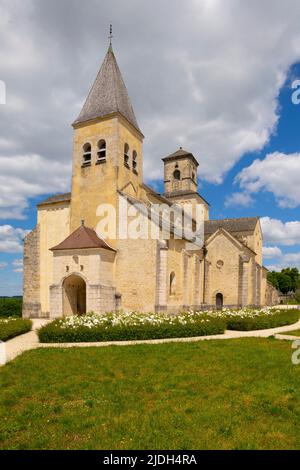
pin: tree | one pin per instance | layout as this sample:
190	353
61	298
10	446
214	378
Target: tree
288	280
285	283
273	279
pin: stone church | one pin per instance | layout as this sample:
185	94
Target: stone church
69	268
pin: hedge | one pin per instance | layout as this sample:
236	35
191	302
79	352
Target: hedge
55	333
11	327
263	321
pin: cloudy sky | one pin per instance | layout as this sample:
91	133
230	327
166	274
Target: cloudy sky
213	76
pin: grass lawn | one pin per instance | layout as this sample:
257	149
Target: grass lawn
291	333
237	394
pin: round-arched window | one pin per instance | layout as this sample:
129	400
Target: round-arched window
126	155
101	150
172	283
177	175
87	154
134	162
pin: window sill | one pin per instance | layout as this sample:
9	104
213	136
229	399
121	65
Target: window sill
84	165
100	162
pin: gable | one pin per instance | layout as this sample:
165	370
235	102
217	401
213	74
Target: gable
129	189
230	239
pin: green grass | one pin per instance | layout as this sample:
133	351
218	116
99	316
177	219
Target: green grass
291	333
237	394
11	327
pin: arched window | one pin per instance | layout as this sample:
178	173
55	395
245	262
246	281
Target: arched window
87	154
172	290
101	151
134	162
219	301
177	175
126	155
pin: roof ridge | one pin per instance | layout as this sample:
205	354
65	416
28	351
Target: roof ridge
233	218
110	51
82	238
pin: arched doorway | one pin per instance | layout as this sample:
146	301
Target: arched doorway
219	301
74	296
172	290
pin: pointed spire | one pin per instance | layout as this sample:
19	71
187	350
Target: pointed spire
108	94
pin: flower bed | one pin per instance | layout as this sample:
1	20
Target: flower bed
11	327
121	326
247	319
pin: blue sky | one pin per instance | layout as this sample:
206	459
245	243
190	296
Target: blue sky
201	80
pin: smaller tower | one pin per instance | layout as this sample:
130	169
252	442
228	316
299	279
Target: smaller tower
181	181
180	173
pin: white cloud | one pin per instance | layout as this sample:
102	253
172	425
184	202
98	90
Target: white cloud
3	265
239	199
281	233
275	267
292	258
277	173
271	252
284	234
288	260
24	176
11	239
17	265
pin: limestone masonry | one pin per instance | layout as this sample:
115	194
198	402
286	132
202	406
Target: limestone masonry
70	269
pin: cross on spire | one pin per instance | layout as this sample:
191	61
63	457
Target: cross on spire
110	37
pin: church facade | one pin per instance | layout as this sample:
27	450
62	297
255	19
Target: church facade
70	268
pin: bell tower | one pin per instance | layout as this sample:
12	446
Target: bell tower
181	181
180	173
107	151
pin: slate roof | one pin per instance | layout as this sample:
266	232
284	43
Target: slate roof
245	224
174	194
56	198
108	94
82	238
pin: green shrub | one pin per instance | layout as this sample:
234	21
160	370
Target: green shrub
11	327
262	321
10	307
55	332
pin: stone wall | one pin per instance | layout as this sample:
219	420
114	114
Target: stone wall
135	271
99	299
31	276
187	168
53	220
224	271
272	295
